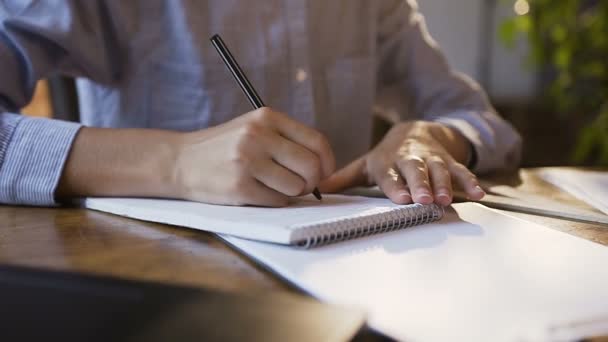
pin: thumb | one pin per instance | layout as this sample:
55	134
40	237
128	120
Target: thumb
349	176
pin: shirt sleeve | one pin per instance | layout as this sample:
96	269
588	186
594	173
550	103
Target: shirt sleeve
32	155
37	39
412	71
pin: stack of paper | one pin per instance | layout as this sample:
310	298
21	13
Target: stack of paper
588	186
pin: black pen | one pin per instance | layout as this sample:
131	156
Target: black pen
243	81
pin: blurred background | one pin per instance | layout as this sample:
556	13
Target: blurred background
544	64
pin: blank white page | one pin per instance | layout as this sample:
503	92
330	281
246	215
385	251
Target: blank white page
266	224
476	275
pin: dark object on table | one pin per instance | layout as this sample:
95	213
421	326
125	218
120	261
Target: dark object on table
43	305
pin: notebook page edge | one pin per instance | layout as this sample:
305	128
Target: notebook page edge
245	230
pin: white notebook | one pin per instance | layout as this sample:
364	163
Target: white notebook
476	275
307	222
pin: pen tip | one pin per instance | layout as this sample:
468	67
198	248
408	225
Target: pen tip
317	194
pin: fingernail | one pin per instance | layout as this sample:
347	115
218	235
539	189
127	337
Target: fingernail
404	194
479	189
424	196
443	194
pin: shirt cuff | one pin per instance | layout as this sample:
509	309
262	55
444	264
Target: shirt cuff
34	159
479	134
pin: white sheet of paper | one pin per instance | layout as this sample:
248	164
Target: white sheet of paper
477	275
588	186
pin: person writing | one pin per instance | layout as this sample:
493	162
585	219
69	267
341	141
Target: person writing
161	116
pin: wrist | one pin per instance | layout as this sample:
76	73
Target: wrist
120	162
168	180
459	147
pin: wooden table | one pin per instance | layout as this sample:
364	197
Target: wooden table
73	239
79	240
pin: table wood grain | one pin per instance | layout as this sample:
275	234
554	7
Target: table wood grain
79	240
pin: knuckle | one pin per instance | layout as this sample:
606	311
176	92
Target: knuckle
251	131
263	114
412	163
436	162
249	134
413	159
407	145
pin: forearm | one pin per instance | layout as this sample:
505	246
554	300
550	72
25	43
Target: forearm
120	162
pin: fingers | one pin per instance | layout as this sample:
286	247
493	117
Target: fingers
349	176
467	180
297	159
440	180
298	148
392	184
415	171
278	178
430	179
302	135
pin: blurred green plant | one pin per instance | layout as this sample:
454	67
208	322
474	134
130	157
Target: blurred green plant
569	38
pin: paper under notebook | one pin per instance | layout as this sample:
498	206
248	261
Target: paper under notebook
476	275
307	222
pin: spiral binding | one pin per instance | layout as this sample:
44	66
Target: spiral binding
355	227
